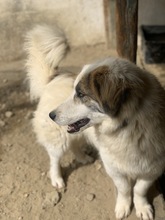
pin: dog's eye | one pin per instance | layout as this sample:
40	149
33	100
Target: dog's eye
80	94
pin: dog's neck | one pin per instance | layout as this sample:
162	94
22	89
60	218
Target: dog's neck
111	126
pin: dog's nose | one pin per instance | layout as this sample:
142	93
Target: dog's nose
52	115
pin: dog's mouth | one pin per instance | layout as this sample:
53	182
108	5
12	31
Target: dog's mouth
75	127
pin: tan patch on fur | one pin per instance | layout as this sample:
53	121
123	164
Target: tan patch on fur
112	91
100	86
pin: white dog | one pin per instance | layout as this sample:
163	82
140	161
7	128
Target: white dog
115	106
123	107
46	47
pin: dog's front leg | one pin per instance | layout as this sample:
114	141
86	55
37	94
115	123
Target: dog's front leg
124	190
55	155
124	196
143	208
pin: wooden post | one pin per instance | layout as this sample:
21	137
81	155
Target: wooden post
126	28
109	17
106	21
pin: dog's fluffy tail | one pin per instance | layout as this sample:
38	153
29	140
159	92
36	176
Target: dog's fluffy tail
45	48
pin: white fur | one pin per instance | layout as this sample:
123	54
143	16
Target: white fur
46	47
126	162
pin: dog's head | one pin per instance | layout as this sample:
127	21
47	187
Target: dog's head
113	88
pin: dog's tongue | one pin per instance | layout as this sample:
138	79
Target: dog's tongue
75	127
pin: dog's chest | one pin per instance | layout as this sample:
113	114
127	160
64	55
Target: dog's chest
121	151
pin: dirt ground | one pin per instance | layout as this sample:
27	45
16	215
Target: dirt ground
25	189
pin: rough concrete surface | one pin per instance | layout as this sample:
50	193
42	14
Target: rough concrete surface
82	20
25	189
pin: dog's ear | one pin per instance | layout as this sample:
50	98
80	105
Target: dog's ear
111	92
116	97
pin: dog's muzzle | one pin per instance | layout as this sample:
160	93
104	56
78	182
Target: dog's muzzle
74	127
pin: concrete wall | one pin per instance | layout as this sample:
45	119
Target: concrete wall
82	21
152	12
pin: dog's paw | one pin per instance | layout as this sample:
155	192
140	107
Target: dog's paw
122	210
58	182
144	212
